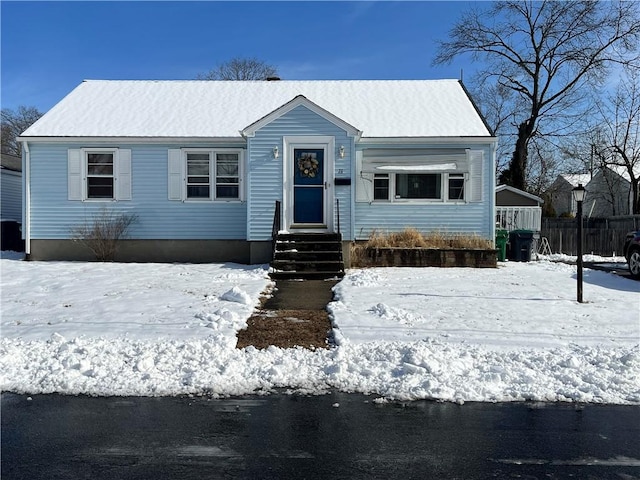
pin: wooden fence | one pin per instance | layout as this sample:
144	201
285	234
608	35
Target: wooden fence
601	236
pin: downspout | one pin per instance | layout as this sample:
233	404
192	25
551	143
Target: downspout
26	214
493	149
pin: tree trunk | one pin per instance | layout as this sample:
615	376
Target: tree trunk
515	174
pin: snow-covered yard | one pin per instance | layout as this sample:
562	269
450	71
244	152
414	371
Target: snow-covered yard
506	334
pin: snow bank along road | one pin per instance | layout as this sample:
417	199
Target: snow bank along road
507	334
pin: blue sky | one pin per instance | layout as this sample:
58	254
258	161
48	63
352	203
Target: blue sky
48	48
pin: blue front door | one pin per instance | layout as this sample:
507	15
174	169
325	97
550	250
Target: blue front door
308	186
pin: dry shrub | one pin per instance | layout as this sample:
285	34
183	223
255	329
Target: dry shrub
357	253
102	234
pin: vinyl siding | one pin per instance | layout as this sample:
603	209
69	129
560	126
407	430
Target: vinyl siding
53	215
11	199
467	218
608	194
265	177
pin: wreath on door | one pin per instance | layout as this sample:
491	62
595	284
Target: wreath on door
308	165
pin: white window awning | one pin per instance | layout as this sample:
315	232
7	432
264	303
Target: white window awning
433	167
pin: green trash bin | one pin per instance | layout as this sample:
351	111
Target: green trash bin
501	243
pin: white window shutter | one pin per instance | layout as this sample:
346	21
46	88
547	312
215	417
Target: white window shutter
176	177
74	175
364	182
242	194
476	158
123	175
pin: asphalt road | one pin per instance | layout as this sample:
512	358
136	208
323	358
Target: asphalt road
333	436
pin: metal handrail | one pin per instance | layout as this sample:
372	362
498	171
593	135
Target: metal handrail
339	232
277	223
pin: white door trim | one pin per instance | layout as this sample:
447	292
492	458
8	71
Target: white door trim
291	142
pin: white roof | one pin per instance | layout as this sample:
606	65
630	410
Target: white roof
624	172
577	179
204	108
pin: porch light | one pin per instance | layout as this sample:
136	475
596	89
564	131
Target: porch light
578	195
341	151
276	152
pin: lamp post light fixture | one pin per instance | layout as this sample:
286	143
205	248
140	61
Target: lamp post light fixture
578	195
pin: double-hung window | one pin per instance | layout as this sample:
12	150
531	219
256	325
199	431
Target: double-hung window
208	174
455	186
227	176
198	175
381	186
100	175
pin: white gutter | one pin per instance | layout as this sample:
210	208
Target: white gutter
135	140
366	141
26	215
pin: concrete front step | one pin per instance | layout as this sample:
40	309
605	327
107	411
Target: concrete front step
309	237
308	256
303	266
308	247
279	275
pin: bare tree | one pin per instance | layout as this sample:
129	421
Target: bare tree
13	123
617	132
547	53
240	69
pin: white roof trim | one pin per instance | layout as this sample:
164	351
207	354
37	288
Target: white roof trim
134	140
517	191
426	140
296	102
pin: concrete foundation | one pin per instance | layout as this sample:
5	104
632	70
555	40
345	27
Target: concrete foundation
162	251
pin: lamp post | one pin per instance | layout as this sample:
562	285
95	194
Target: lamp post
578	195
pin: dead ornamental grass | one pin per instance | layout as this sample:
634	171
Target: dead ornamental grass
412	238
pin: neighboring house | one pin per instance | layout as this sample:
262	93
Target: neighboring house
559	193
202	164
609	193
517	209
11	201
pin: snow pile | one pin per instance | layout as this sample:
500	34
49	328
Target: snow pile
508	334
237	295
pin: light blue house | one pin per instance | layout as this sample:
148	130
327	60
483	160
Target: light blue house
204	164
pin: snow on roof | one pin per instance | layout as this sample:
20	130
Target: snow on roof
204	108
624	172
577	179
